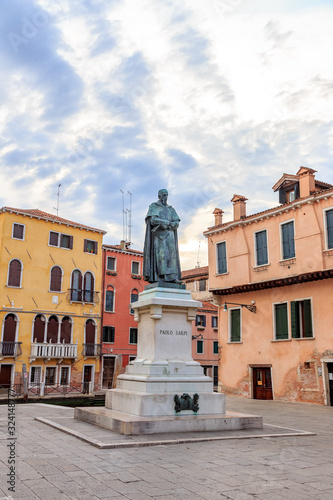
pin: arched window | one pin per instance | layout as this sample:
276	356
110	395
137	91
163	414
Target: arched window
90	334
9	335
66	330
76	288
55	279
134	297
109	299
88	287
39	329
14	273
52	329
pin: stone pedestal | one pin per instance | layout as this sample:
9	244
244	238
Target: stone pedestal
144	400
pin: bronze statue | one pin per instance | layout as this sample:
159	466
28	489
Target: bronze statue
160	254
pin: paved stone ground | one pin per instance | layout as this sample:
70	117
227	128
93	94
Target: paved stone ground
54	465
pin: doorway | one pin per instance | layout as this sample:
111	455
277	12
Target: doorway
262	383
108	370
330	381
5	376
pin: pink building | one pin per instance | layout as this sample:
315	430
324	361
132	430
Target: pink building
271	273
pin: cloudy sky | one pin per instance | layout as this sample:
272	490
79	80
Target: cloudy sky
207	98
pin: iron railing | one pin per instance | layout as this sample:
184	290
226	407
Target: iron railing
79	295
10	349
91	350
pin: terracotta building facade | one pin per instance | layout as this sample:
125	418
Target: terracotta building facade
122	283
272	275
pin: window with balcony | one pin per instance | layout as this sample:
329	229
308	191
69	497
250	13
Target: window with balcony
301	319
18	231
134	298
135	268
329	228
55	279
111	263
90	246
234	325
90	346
200	347
133	336
8	344
76	286
89	287
60	240
14	273
288	240
261	248
281	330
109	299
221	257
109	334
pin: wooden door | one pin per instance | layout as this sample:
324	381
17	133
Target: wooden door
330	381
262	383
108	371
5	376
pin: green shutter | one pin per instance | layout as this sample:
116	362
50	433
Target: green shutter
329	221
293	314
235	325
307	319
281	321
221	258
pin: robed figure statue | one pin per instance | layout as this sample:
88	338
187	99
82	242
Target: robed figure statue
160	254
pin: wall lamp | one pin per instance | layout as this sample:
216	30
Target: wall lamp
251	307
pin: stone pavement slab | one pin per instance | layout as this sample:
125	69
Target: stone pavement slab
52	464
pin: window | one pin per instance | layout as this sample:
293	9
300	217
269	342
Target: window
133	336
200	349
329	228
88	287
301	319
64	375
18	231
235	325
35	374
200	320
111	263
214	321
60	240
108	334
109	299
52	330
50	375
261	248
135	267
55	279
66	330
221	253
14	273
39	329
202	285
9	335
76	288
90	348
288	242
90	246
281	321
134	298
215	347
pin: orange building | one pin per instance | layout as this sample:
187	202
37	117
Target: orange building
205	348
122	283
271	273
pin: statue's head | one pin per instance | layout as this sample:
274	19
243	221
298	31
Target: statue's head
163	196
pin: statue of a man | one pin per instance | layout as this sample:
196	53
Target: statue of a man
160	254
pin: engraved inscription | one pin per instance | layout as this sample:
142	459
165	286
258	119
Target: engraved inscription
181	332
166	332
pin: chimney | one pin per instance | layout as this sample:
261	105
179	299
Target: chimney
218	216
306	181
123	244
239	202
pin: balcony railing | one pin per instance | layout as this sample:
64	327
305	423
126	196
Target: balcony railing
78	295
48	350
10	349
91	350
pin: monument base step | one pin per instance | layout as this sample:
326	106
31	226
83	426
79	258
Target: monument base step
127	424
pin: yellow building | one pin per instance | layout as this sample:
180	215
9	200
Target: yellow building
50	282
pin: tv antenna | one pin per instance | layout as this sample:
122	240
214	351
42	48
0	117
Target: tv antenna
130	220
127	216
58	196
198	261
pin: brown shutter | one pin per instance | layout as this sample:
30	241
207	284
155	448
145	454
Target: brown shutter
52	330
85	245
66	328
96	247
39	327
9	328
71	242
14	275
18	231
54	239
55	285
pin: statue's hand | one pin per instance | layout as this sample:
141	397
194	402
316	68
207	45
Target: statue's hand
174	225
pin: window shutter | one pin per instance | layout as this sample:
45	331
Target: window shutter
296	191
14	275
203	320
291	239
54	239
282	196
95	247
261	239
307	319
85	245
221	258
71	242
235	325
329	223
294	333
18	231
196	320
58	279
281	319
